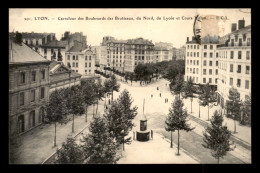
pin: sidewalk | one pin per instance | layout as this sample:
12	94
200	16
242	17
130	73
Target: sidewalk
244	132
156	151
37	145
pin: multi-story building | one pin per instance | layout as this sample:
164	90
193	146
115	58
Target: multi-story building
234	56
101	56
54	50
71	38
124	55
35	40
161	54
201	62
62	77
28	86
81	60
180	53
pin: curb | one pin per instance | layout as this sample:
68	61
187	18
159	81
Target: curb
243	143
48	159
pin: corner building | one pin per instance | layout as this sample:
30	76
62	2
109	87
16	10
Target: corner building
235	63
124	55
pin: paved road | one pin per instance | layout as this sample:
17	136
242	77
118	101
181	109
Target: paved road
156	111
238	141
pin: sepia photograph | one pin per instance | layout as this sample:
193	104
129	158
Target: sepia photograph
129	86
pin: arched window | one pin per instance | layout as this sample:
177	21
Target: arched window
32	119
21	124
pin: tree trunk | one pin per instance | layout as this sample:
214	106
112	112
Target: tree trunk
105	101
178	142
199	110
123	145
208	112
97	108
234	125
55	134
93	109
86	114
73	123
191	105
171	139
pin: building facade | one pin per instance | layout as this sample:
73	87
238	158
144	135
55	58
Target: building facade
161	54
101	56
180	53
54	50
138	51
81	60
28	87
235	63
201	62
35	40
62	77
124	55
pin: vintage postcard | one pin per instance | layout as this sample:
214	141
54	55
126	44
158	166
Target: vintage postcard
129	86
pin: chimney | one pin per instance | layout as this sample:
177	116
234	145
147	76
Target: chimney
241	24
233	27
187	39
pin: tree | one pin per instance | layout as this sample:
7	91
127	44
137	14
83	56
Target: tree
207	96
112	85
129	113
173	68
75	102
56	109
99	146
126	77
216	137
177	119
69	153
246	111
99	93
177	84
88	95
116	122
131	77
233	105
188	91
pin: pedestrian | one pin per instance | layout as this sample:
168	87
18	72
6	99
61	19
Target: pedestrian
157	88
165	100
109	101
160	94
151	96
152	134
133	135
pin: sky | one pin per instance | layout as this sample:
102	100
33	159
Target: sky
173	31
